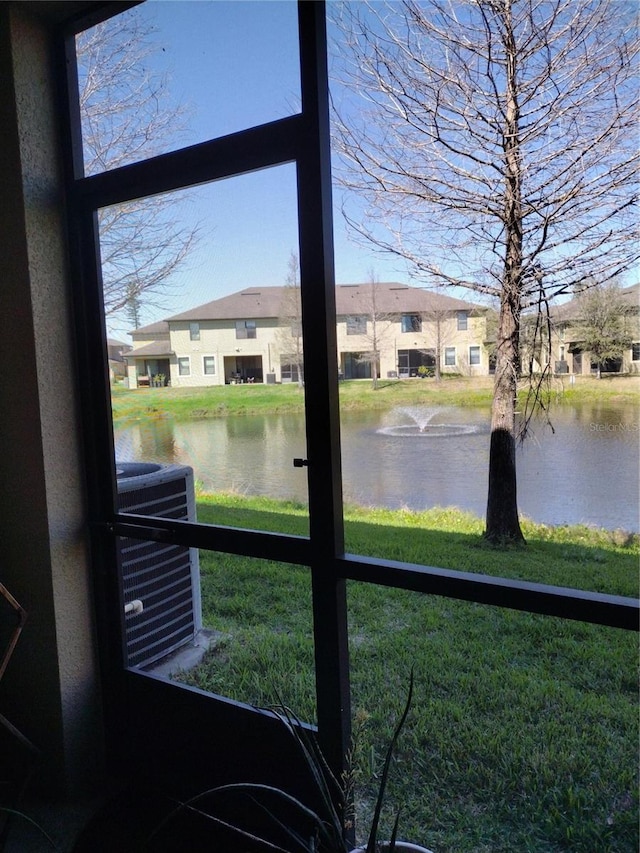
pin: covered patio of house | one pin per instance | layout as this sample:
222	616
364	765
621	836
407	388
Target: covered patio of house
150	366
240	369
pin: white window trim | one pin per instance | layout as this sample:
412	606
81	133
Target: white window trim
479	362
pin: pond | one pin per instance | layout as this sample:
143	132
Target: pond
585	470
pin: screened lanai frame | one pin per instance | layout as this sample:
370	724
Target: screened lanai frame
304	140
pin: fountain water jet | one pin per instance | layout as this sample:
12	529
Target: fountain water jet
420	415
422	425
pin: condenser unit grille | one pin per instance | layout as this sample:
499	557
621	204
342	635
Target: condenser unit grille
164	577
167	500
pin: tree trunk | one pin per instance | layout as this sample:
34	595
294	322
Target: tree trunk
374	366
300	365
502	505
502	524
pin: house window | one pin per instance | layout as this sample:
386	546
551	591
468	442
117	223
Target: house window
357	324
462	321
184	366
194	331
474	355
245	329
635	351
209	365
411	323
450	356
411	360
356	366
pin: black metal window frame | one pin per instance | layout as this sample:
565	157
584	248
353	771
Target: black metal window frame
209	365
410	323
475	354
302	139
450	356
184	365
194	331
246	329
356	324
463	321
635	351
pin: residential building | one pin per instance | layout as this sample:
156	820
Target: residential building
117	365
568	354
253	335
152	356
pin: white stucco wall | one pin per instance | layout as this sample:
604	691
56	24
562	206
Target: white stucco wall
218	340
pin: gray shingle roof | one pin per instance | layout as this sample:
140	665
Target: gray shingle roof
571	310
263	302
150	350
253	302
393	298
160	327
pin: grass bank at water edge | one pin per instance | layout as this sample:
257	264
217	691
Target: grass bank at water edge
222	401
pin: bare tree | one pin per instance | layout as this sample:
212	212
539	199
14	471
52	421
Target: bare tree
602	315
290	333
495	145
378	325
440	319
128	115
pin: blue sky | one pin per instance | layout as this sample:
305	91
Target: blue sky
246	75
234	64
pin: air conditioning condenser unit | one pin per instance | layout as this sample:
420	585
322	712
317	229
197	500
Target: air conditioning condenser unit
164	577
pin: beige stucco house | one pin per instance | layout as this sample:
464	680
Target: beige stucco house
253	336
117	365
150	356
568	353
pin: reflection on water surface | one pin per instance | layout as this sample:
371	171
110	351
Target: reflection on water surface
586	470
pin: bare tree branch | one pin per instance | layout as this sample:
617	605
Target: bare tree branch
378	324
290	320
127	114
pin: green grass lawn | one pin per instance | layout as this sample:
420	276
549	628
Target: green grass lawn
524	729
221	401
